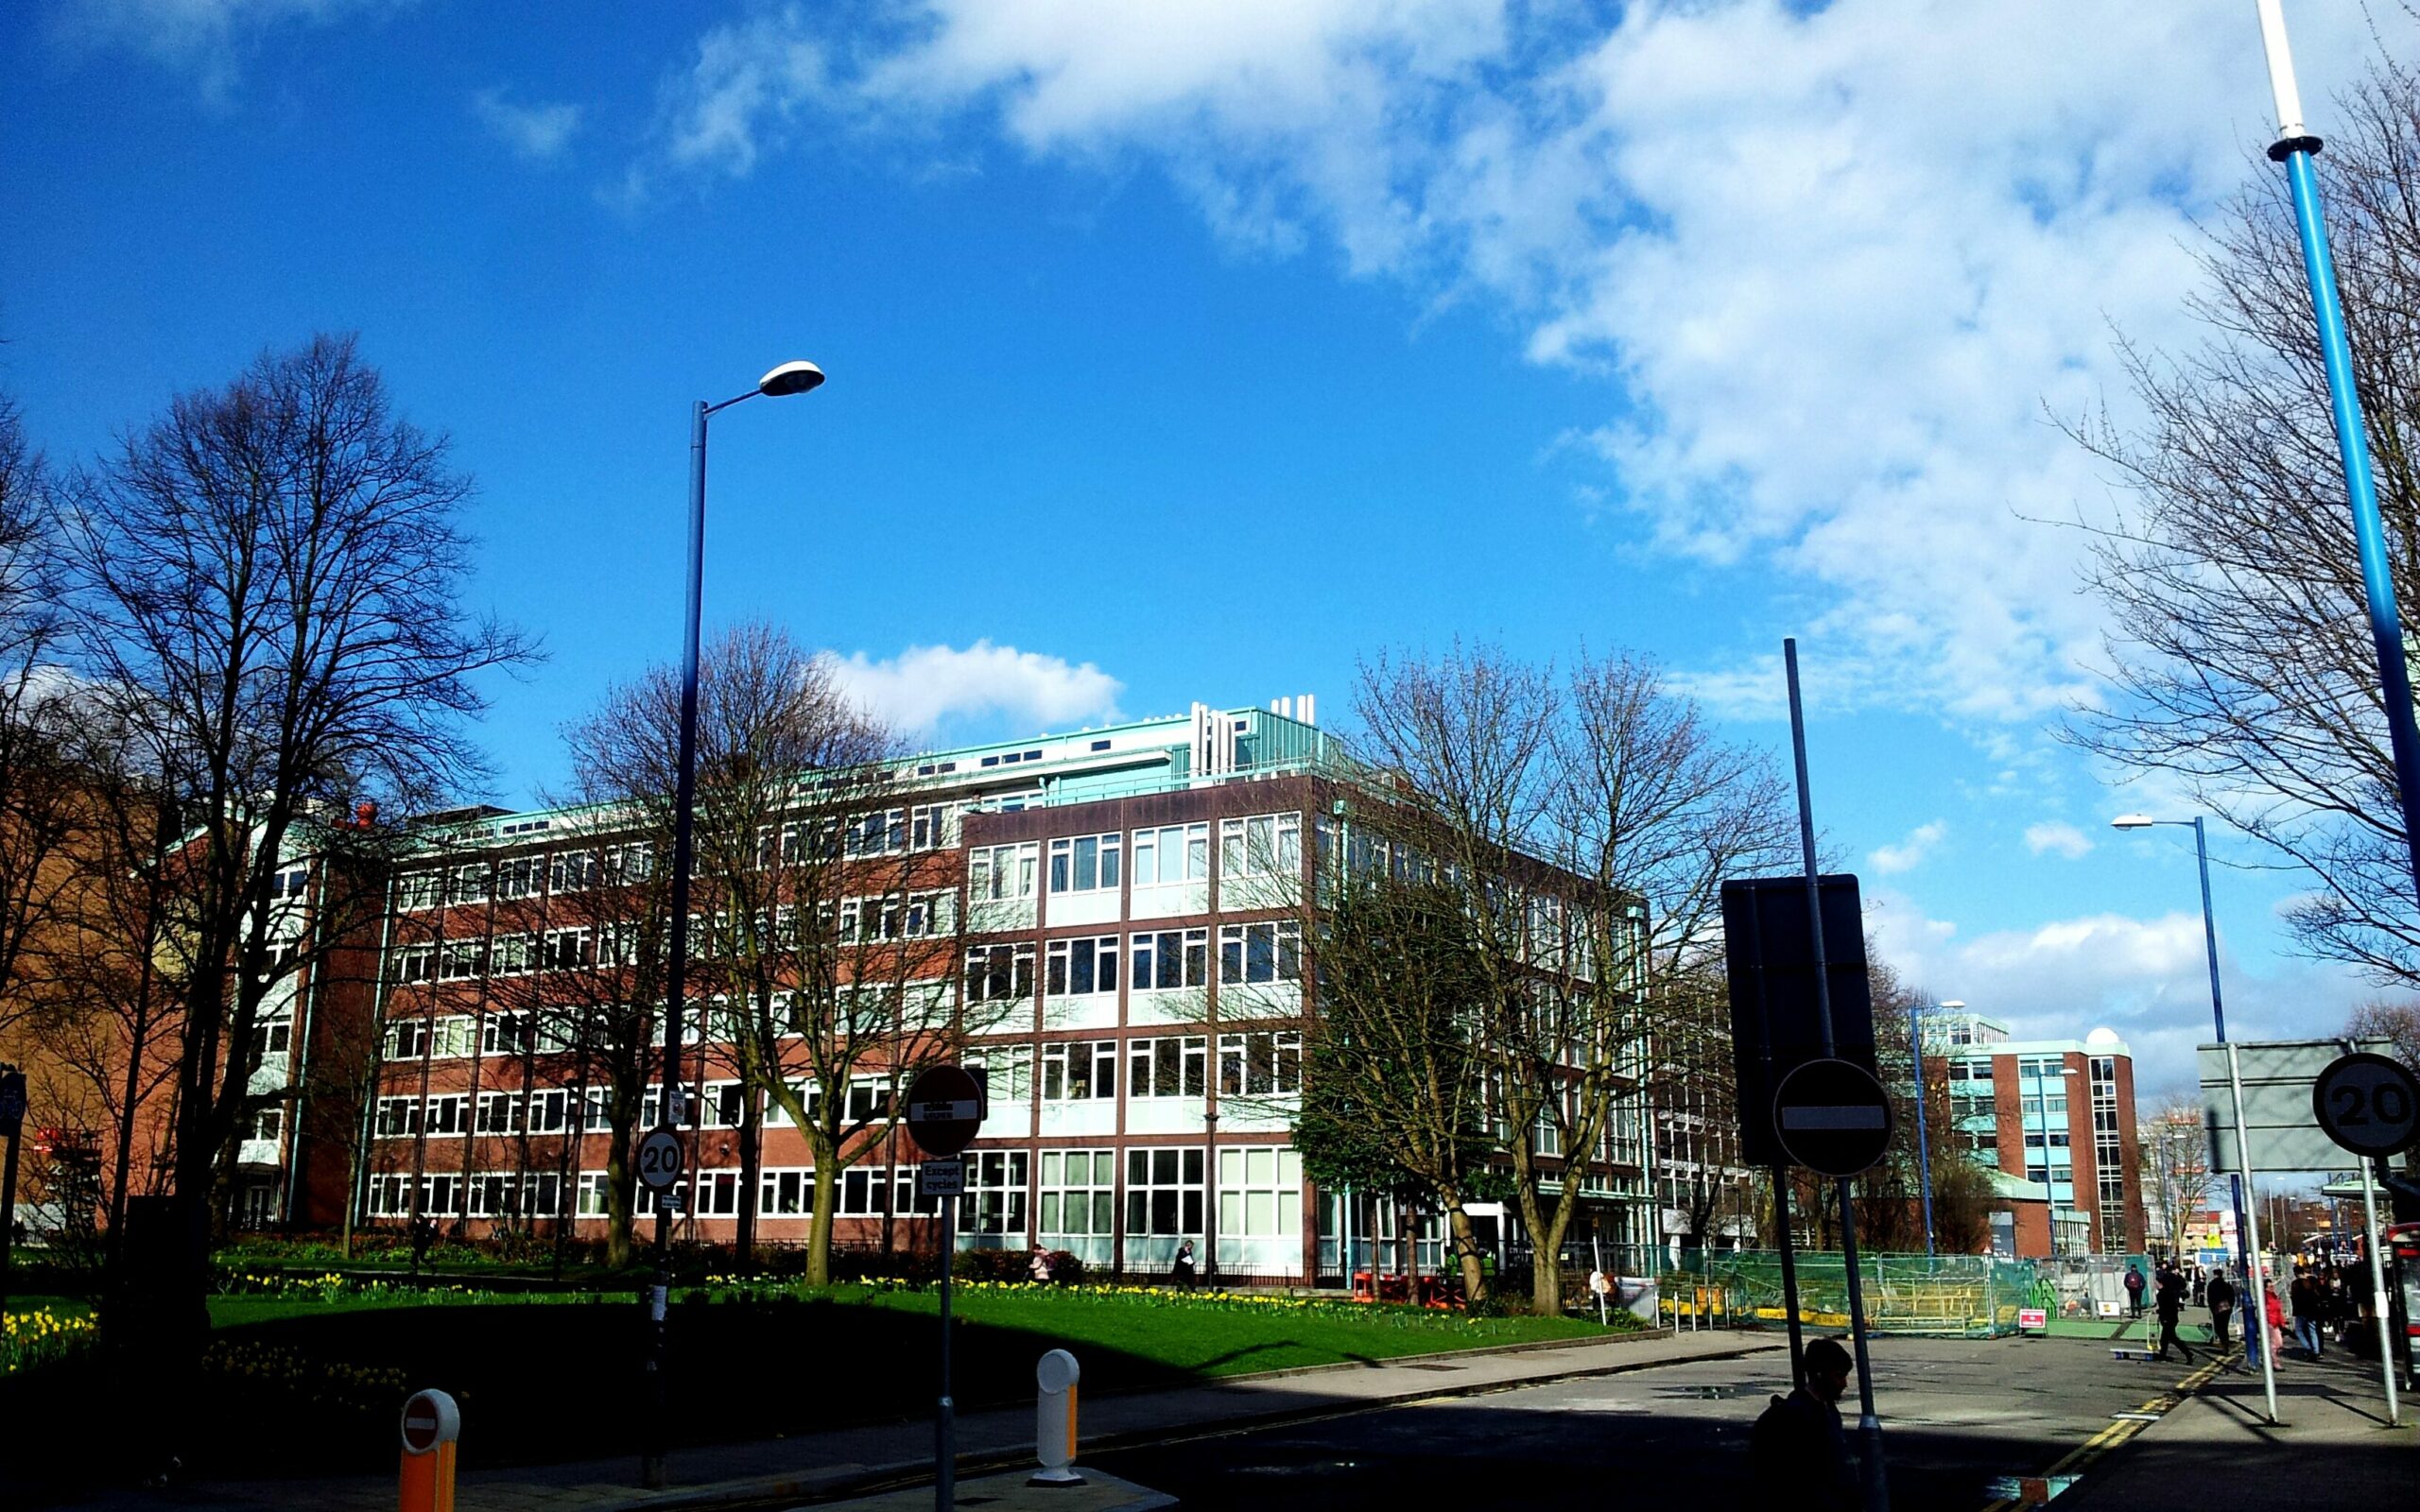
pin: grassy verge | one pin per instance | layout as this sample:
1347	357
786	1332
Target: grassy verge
559	1377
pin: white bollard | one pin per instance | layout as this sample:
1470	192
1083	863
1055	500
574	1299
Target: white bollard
1054	1420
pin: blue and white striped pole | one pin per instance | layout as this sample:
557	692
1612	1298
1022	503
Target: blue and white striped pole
2294	147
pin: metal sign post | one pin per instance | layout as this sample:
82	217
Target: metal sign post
944	1113
2370	1105
1877	1488
2260	1318
13	1123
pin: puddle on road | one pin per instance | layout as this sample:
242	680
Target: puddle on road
2028	1490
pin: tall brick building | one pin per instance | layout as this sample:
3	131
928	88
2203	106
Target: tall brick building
2056	1119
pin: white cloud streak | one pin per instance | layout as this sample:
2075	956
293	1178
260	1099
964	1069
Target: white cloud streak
1837	261
535	133
2054	837
1909	854
206	38
927	685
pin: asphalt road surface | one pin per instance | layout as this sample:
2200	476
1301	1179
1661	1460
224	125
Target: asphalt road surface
1957	1416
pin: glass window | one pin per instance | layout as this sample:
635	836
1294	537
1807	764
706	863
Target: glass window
1170	958
1163	1190
1264	844
998	872
995	1193
1267	1063
999	973
1174	1067
1173	853
1072	1071
1260	1191
1084	863
1079	966
1079	1190
1271	951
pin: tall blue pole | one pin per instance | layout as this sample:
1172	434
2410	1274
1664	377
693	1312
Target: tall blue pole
2218	1021
2296	146
1923	1156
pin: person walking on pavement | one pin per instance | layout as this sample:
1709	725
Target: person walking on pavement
1182	1272
2310	1302
1798	1452
2133	1290
2222	1296
2273	1340
2171	1306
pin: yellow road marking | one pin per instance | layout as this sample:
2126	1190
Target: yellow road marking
2075	1461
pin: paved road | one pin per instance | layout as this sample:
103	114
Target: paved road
1957	1415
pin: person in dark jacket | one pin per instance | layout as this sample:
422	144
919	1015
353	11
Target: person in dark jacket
1798	1454
2222	1296
2171	1307
2135	1289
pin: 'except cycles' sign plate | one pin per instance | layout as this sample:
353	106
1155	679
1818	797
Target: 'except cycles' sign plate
944	1110
942	1177
659	1160
1831	1116
2368	1104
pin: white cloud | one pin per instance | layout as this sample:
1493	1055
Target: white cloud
2147	978
738	96
925	685
1836	260
205	38
536	134
1909	854
2054	837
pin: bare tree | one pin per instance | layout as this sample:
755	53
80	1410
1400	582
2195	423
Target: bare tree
2175	1154
2241	647
274	570
827	919
1589	819
41	804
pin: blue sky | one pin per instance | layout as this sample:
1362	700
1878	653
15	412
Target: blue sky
1191	351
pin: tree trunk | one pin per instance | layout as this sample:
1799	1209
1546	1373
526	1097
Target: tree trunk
617	1197
818	1229
751	1161
1457	1224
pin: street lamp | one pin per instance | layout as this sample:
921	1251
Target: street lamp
1924	1152
789	378
2210	947
2049	1172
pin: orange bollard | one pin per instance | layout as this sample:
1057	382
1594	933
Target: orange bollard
431	1424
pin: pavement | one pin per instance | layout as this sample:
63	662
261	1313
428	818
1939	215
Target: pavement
1961	1420
776	1473
2331	1447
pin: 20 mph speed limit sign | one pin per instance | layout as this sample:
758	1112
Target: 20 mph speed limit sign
659	1160
2368	1104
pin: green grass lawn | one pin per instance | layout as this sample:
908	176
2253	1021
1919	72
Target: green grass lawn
559	1377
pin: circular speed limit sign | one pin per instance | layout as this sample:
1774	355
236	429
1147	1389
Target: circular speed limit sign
659	1160
2368	1104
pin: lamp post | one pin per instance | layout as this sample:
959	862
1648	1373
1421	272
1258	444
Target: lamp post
1924	1152
789	378
2210	948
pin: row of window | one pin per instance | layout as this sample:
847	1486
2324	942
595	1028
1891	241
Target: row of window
1262	1063
1162	960
1260	1192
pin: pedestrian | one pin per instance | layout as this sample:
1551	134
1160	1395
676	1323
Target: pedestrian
1182	1272
2310	1303
1798	1452
2171	1305
2200	1284
1038	1268
2222	1296
2275	1340
2134	1291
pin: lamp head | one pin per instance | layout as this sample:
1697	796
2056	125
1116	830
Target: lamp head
789	378
2133	821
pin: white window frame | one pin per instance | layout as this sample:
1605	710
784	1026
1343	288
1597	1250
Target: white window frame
1099	953
1260	1063
1087	862
1164	1173
1147	952
1167	1067
1239	964
1191	844
1081	1184
1260	1191
984	974
1003	873
1261	845
1078	1070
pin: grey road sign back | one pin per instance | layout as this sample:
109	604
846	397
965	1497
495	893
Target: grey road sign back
1770	955
2280	1124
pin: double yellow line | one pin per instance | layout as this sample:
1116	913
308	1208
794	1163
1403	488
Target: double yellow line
2078	1459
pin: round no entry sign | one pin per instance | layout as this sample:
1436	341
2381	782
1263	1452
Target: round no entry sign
430	1418
944	1110
1831	1116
